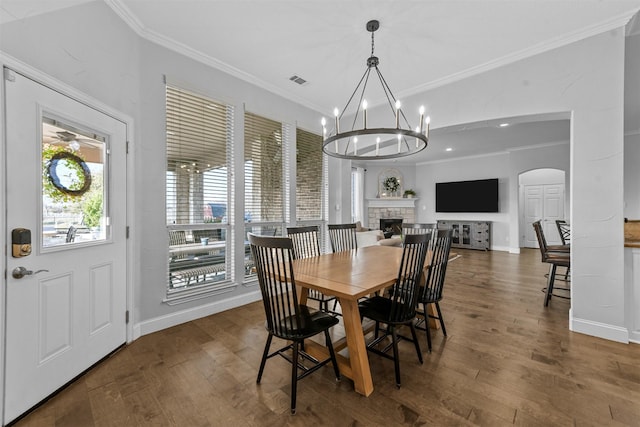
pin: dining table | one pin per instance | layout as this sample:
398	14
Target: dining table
349	276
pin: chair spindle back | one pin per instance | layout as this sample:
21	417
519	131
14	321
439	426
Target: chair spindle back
404	297
343	237
564	229
436	272
305	241
272	257
411	228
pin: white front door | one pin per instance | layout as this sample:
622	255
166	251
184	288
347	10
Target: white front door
545	203
66	188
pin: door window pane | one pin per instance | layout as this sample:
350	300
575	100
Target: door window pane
73	185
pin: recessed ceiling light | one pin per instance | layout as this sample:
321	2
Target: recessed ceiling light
448	149
504	125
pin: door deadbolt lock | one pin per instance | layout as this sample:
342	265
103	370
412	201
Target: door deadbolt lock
20	272
21	242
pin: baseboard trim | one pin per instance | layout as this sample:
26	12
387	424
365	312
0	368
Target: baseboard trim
600	330
182	316
634	337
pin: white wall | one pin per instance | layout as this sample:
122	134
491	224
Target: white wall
566	79
485	167
88	47
372	176
543	176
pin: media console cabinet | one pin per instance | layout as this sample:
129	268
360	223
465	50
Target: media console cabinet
469	234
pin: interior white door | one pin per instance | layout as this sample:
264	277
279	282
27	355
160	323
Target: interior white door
533	205
553	210
71	311
543	202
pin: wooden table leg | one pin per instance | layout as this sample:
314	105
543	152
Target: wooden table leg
303	293
357	348
433	323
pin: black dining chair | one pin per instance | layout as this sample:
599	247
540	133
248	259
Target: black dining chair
342	237
431	291
287	319
71	234
554	255
306	244
399	307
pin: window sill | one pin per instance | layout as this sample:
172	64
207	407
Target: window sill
181	296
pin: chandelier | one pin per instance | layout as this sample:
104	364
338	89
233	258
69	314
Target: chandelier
377	143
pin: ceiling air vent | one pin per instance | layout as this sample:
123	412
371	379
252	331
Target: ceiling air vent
298	79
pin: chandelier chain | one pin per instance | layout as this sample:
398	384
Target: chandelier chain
372	33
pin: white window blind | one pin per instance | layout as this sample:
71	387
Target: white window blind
309	175
263	162
357	194
196	157
198	130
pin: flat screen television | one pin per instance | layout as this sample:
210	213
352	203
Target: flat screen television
467	196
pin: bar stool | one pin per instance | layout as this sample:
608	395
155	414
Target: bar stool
554	255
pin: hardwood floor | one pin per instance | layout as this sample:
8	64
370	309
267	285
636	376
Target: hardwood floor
507	360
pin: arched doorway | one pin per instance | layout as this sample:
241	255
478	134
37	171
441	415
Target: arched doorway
542	196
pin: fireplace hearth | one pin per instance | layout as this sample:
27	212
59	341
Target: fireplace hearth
391	226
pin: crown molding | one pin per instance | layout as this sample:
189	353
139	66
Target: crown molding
132	21
572	37
633	27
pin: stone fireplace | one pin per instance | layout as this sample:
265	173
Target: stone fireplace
390	209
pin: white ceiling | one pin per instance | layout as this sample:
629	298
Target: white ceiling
421	44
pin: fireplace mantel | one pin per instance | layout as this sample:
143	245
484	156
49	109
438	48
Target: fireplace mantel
392	202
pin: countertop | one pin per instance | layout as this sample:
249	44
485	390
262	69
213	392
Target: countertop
631	233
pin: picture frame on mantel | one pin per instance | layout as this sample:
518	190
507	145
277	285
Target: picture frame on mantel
390	184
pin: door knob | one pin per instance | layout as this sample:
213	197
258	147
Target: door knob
20	272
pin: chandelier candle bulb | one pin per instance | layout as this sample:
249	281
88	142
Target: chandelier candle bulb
418	131
428	120
336	113
421	117
323	122
397	114
364	112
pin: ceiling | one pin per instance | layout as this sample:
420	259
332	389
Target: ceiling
421	44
